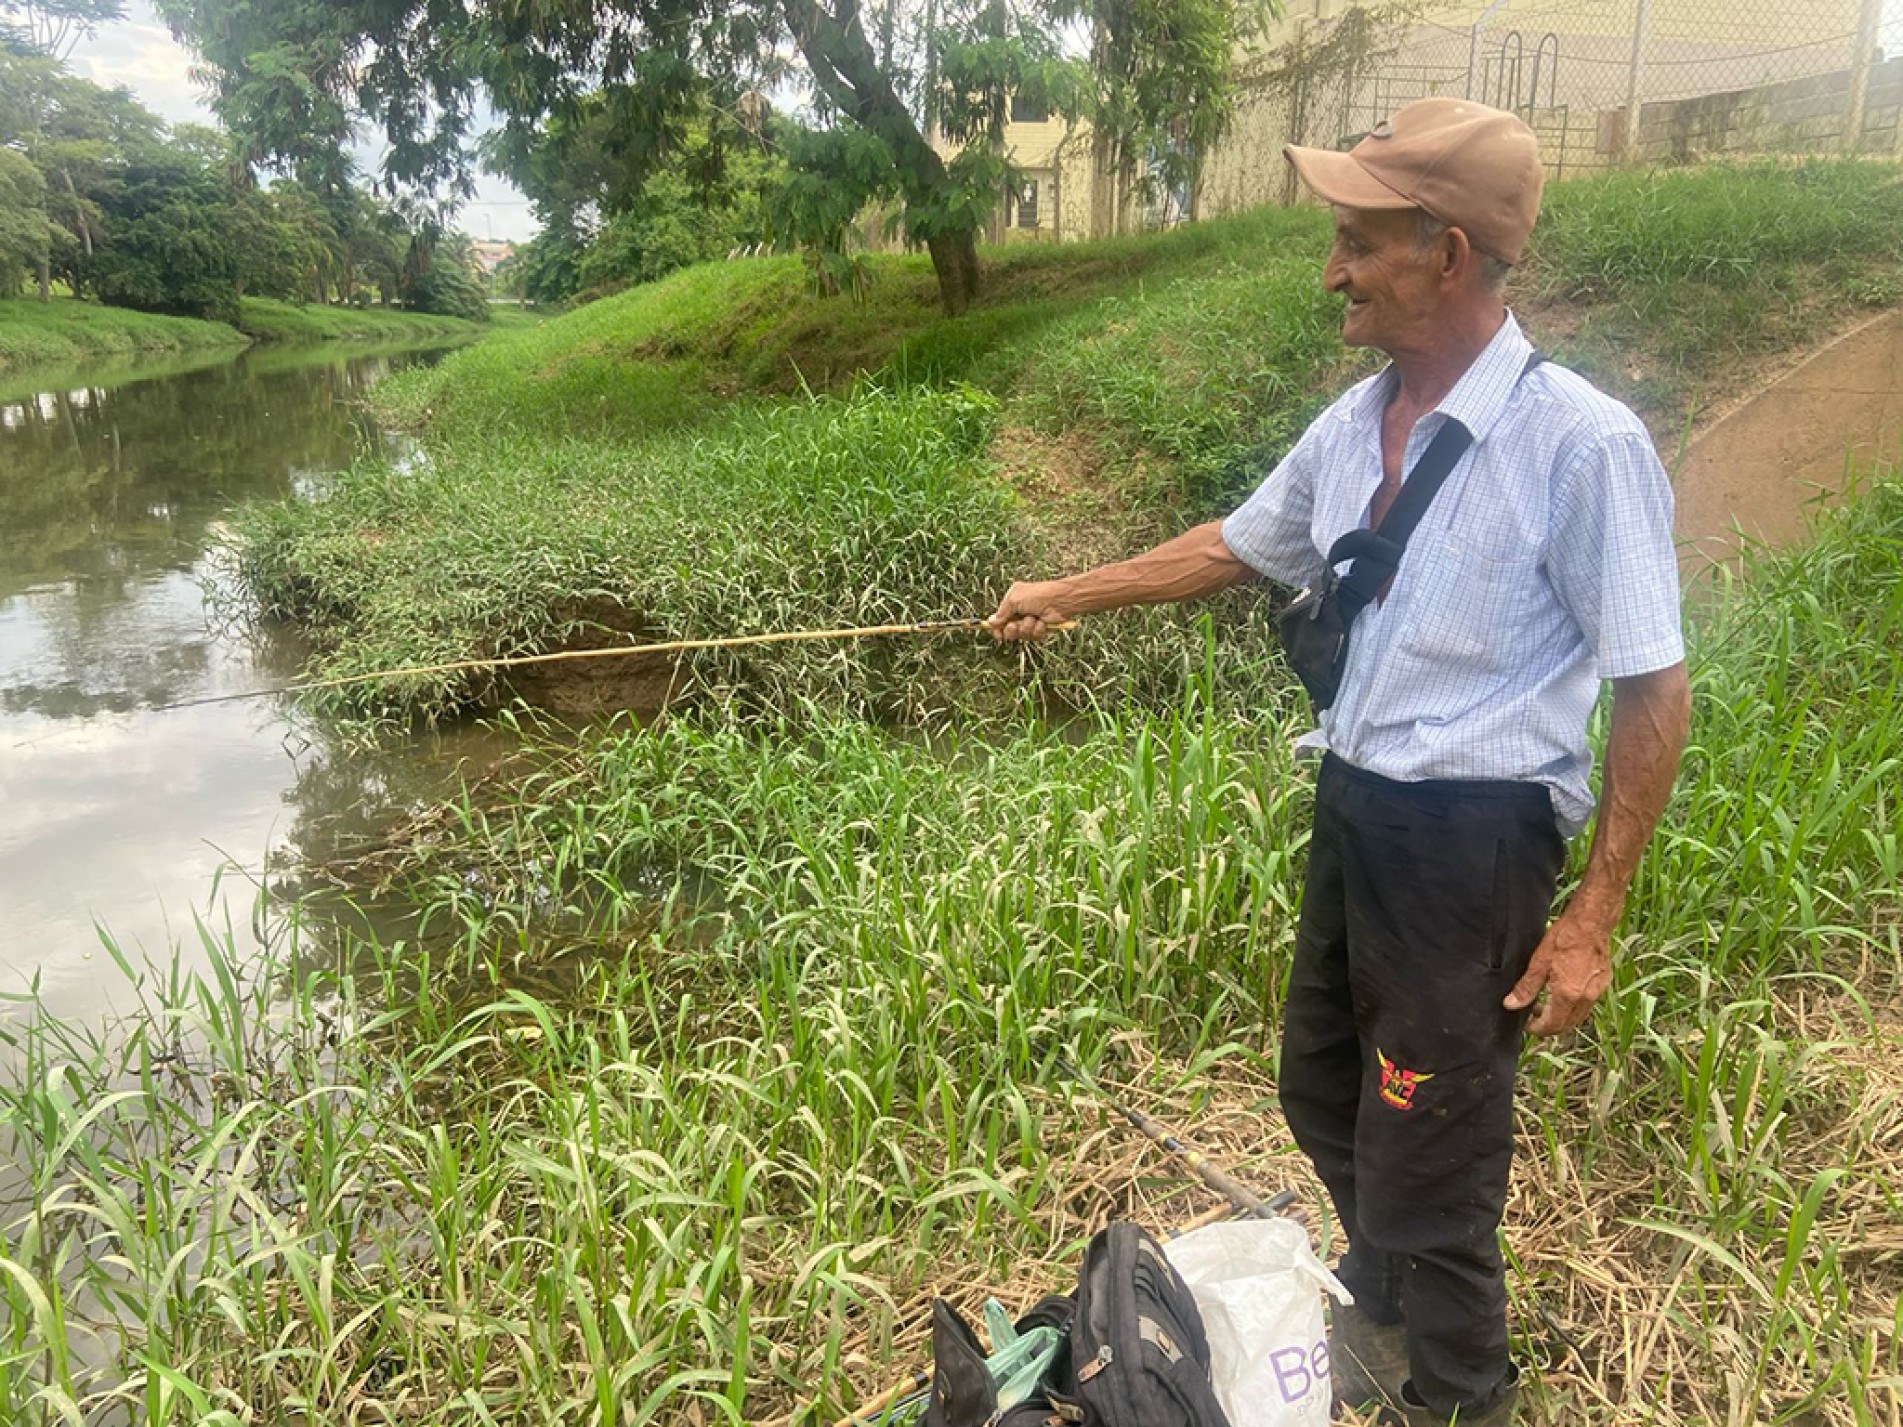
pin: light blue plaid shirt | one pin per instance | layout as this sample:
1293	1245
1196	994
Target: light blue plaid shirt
1544	565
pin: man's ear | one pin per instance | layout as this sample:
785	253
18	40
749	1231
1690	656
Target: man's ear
1456	254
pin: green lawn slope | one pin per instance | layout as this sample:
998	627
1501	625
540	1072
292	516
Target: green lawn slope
269	320
66	331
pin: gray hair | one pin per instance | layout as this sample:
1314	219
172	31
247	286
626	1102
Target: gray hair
1428	230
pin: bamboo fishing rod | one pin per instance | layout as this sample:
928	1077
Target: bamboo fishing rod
1245	1199
671	646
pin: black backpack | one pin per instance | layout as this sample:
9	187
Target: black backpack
1138	1354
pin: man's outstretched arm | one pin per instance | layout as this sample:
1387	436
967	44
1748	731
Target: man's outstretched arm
1197	562
1651	714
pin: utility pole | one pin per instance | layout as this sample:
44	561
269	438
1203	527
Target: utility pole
1868	17
1642	22
1473	45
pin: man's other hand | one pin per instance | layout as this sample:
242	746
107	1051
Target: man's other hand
1573	966
1029	610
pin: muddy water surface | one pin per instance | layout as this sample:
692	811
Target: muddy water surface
116	819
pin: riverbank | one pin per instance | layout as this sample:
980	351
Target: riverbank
722	1048
66	331
269	320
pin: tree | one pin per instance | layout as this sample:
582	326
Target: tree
444	279
290	75
97	188
74	133
609	218
551	265
702	207
1163	94
52	27
171	247
26	232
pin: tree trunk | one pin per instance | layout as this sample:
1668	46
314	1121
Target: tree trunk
955	262
46	280
847	71
79	212
1001	214
1105	204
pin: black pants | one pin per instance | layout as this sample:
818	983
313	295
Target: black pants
1424	902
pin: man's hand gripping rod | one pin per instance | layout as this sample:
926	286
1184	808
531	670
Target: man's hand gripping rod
1212	1174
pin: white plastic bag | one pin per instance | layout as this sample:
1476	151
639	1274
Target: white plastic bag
1258	1286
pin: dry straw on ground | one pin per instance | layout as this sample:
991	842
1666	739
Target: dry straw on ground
1614	1319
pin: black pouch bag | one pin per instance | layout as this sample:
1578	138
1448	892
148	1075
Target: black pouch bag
1316	626
1139	1357
963	1394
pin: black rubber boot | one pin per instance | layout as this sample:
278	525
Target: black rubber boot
1504	1411
1366	1360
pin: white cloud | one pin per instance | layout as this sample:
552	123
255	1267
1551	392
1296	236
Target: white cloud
140	53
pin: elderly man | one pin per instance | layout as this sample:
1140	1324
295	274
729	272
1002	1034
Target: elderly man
1455	758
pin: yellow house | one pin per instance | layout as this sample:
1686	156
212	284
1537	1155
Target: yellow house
1054	196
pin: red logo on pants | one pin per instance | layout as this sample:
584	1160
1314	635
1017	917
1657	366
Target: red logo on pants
1398	1085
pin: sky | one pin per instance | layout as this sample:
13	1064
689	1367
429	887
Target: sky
140	53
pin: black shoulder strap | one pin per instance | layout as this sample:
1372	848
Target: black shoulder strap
1377	553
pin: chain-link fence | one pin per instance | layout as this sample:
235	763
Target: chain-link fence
1602	82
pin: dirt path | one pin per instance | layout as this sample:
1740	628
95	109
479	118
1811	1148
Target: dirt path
1756	469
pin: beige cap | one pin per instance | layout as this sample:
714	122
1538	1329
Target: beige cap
1473	167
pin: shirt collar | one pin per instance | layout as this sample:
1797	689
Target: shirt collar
1479	398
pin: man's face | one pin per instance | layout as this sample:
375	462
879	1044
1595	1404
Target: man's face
1392	284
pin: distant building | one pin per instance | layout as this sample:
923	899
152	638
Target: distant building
491	253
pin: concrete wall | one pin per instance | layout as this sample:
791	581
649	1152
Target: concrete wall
1805	115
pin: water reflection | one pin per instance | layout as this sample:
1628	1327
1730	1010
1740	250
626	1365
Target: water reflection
110	497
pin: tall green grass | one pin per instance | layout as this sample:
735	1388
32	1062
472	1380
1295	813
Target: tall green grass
1203	382
721	1047
868	511
1685	273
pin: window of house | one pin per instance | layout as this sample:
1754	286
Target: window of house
1027	111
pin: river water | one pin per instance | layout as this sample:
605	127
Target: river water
117	820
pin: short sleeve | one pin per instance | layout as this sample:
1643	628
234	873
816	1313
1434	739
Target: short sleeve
1271	532
1611	556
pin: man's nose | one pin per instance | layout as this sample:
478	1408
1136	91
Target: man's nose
1335	273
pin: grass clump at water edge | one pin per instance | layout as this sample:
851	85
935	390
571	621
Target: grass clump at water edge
873	510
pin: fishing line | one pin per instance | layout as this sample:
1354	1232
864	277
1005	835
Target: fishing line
671	646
